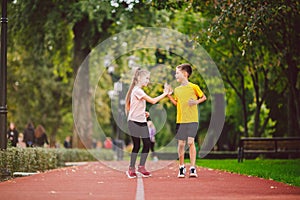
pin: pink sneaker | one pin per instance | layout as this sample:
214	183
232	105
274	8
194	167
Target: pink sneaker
142	170
131	172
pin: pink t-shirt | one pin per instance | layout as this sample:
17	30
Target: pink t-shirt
137	105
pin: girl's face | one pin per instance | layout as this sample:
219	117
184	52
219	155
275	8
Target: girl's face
179	75
144	81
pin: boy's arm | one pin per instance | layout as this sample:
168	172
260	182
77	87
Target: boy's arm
201	99
172	99
198	101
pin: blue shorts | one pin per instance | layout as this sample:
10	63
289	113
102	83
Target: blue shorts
185	130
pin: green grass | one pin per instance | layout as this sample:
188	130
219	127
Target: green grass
286	171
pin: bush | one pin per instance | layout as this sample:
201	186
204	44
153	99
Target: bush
79	155
42	159
27	160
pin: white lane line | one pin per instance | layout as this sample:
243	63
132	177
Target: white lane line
140	189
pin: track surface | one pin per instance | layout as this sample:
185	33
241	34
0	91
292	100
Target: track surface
97	180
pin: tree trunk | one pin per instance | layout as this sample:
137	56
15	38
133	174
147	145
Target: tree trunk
257	88
293	99
257	120
291	44
244	104
220	109
242	97
82	137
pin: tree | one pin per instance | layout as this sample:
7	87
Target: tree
61	27
252	75
40	73
274	25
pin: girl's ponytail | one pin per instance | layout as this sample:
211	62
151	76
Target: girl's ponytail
128	95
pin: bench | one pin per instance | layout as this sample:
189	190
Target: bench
275	147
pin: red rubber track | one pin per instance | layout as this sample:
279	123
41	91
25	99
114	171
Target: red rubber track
96	180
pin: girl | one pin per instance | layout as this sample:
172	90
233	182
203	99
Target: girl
135	108
152	132
40	136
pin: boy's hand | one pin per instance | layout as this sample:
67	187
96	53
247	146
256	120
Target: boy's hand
192	102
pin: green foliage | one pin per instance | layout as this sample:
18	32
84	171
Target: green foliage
286	171
253	43
27	159
268	124
271	25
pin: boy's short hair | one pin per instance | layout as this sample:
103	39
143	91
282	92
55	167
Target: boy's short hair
186	67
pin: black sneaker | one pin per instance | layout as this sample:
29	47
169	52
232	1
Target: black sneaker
181	173
193	172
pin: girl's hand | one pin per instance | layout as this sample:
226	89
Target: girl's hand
168	89
147	114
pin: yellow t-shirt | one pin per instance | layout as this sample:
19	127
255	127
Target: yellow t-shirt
182	94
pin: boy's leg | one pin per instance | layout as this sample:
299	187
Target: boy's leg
181	150
192	151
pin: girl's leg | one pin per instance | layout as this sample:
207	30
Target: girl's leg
181	146
136	147
145	150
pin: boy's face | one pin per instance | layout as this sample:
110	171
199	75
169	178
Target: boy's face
180	75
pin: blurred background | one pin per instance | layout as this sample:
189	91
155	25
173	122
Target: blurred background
255	45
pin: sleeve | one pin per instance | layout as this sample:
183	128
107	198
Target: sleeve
197	90
139	93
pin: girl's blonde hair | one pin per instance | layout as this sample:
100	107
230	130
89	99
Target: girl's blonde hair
135	80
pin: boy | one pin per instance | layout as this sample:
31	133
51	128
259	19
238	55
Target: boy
186	98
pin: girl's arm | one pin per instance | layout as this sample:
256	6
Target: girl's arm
158	98
155	99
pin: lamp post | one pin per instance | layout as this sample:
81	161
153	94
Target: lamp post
116	94
3	77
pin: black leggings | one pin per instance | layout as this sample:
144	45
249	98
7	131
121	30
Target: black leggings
136	147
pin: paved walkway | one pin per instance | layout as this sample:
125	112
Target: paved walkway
97	180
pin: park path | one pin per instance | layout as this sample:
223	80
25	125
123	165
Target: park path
107	180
